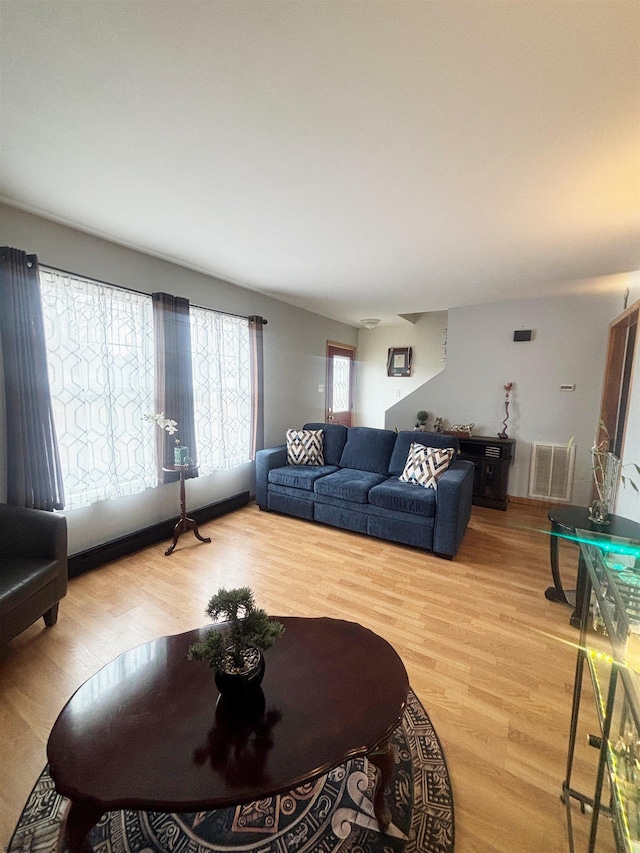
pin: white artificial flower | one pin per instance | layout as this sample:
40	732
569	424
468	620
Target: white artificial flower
164	423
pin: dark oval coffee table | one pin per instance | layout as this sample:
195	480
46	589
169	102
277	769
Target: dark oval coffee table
147	731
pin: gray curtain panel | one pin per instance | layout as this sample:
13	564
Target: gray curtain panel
34	476
257	384
174	378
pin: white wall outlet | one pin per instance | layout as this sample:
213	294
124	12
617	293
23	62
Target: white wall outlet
320	389
398	392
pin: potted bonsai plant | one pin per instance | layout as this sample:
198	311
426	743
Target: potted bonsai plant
421	419
234	650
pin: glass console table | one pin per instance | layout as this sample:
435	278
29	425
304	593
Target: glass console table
609	650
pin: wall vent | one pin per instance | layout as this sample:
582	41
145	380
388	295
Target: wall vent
551	471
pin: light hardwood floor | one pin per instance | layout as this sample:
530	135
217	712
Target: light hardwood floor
489	657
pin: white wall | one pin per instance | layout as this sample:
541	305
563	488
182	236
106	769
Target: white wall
568	345
377	392
294	362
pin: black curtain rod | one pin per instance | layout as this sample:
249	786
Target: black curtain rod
144	293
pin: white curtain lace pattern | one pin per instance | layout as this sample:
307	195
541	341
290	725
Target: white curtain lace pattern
101	370
221	364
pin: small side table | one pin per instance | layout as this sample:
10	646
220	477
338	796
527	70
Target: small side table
492	457
184	523
565	520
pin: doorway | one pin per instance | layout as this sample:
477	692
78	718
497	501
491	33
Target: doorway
341	359
617	381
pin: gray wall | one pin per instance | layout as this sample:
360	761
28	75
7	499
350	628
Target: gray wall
569	346
294	361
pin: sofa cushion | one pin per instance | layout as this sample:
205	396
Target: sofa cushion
368	449
408	529
304	447
345	516
299	504
395	495
300	476
348	484
406	438
425	465
335	438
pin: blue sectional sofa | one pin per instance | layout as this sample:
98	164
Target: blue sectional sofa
358	488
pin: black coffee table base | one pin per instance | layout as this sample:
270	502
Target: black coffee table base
561	596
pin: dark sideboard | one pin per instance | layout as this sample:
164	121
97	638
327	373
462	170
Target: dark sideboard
491	458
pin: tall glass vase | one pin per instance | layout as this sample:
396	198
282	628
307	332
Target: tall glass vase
606	471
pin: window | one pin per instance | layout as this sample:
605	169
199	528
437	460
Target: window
341	383
100	355
100	351
221	363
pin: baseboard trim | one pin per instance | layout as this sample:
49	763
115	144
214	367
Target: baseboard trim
515	499
83	561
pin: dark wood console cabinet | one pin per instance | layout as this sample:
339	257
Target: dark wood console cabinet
491	458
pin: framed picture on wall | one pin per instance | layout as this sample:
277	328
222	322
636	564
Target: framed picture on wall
399	361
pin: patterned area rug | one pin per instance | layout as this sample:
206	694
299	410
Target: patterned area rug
334	813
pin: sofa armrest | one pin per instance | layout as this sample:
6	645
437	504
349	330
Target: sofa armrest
33	533
453	507
267	460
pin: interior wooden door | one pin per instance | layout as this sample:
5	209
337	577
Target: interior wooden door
341	360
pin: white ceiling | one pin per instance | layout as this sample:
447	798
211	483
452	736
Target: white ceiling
358	159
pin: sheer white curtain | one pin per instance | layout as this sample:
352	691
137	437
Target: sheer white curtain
221	363
101	361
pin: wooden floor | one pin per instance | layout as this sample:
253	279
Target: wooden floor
489	657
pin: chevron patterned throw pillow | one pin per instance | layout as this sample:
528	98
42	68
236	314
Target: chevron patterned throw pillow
425	465
305	447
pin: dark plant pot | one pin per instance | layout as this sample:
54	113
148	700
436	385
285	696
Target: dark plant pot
233	684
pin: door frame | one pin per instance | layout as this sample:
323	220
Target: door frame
622	348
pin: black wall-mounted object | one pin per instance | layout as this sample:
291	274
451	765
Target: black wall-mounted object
522	335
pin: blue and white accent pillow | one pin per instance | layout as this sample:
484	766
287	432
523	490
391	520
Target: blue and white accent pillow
305	447
425	465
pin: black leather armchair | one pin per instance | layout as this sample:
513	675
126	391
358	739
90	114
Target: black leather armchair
33	568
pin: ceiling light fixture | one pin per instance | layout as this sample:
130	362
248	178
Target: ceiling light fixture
371	323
